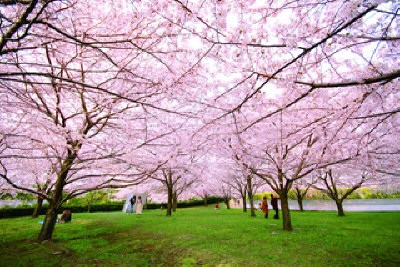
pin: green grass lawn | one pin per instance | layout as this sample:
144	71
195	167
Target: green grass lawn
205	237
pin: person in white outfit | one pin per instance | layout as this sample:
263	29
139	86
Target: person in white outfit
139	205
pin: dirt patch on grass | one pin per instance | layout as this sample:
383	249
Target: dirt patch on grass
153	248
33	253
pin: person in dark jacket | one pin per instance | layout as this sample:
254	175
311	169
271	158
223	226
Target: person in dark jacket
133	205
274	204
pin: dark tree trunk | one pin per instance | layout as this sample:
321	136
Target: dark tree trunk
174	201
252	210
250	194
39	203
205	200
339	205
227	203
299	197
300	203
287	222
49	223
244	203
169	203
46	232
50	220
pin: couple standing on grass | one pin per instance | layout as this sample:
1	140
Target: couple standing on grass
139	205
274	204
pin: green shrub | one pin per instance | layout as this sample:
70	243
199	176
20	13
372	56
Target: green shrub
259	196
154	206
16	212
113	206
24	196
27	211
6	196
213	200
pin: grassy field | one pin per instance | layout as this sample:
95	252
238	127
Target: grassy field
205	237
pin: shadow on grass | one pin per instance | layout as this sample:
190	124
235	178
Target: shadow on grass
129	248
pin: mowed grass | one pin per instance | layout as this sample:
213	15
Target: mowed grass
205	237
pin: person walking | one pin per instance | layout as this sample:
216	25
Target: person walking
139	205
264	207
274	204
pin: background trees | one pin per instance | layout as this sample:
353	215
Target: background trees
313	70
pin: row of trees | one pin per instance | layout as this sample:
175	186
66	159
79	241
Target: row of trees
189	96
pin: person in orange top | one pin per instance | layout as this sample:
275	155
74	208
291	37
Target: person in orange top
264	207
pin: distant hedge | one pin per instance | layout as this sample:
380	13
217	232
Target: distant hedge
27	211
16	212
199	202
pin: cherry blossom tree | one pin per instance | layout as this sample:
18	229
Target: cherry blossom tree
239	187
69	130
301	188
249	184
172	156
230	182
290	163
337	187
174	181
226	193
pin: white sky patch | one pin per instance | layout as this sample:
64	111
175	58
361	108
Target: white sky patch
232	20
194	42
271	91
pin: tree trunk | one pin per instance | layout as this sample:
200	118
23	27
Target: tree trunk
287	222
250	194
49	223
169	203
205	200
39	203
299	197
300	203
50	220
252	210
174	201
244	203
339	205
227	203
